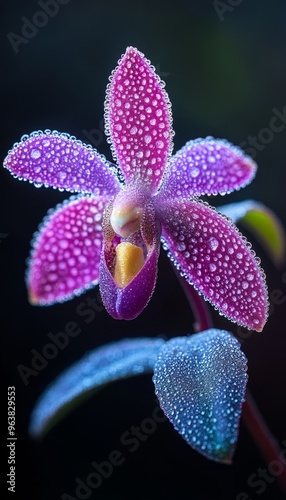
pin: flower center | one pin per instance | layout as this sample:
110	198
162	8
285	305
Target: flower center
129	261
125	220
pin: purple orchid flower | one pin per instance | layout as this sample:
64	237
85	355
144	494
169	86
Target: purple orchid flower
111	233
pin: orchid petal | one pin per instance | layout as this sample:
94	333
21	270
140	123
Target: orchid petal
128	302
200	382
138	120
66	254
207	167
263	222
115	361
57	160
215	258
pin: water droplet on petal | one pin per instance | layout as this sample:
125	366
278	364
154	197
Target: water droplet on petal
194	172
35	154
62	175
213	243
147	138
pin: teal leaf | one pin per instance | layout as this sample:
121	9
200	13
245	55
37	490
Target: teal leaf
200	382
97	368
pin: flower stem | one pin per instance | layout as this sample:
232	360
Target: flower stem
203	319
251	415
265	441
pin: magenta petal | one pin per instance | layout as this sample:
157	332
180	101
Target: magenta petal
58	160
208	166
139	120
216	259
129	302
66	255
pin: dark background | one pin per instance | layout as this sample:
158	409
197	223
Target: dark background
224	78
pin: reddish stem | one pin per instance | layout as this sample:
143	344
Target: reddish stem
251	415
263	437
197	304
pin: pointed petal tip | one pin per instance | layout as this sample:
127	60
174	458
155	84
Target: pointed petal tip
135	90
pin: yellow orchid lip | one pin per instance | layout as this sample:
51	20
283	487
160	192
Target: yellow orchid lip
126	220
129	261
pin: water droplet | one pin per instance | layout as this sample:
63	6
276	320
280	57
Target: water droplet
181	246
147	138
244	285
63	244
194	172
213	243
212	267
35	154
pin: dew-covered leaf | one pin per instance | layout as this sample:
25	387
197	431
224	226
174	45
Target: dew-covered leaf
97	368
263	223
200	382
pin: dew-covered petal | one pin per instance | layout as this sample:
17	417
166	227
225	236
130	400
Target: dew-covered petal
115	361
55	159
66	251
207	166
217	260
128	302
200	383
263	223
138	120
